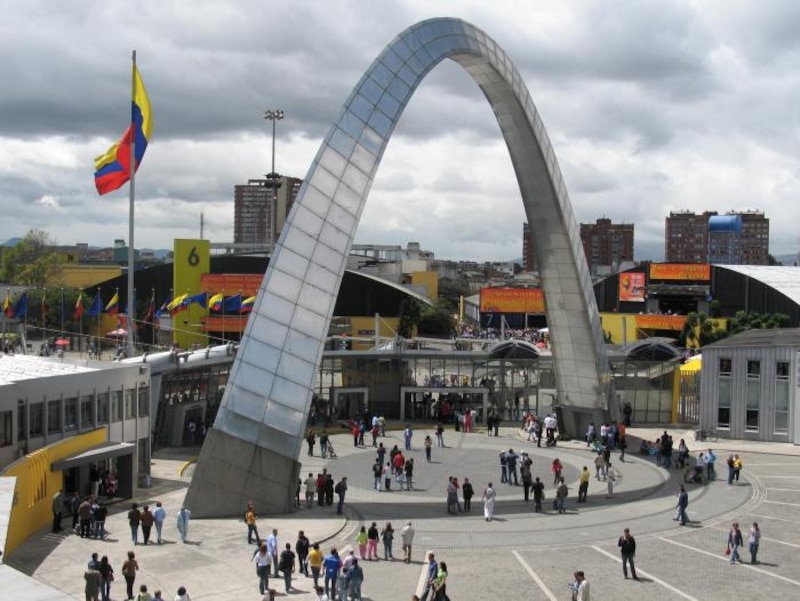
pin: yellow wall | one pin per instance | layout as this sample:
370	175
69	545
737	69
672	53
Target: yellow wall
429	279
88	276
36	484
192	259
388	328
617	323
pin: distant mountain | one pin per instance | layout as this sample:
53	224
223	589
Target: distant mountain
788	260
159	253
11	242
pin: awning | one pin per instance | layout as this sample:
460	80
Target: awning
95	455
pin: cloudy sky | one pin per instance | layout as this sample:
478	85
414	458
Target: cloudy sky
652	106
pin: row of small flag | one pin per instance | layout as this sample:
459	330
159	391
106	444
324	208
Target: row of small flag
217	303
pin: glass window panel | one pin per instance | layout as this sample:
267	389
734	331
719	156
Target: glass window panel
285	285
87	411
723	418
753	369
354	119
299	242
342	142
402	49
380	123
324	181
751	423
356	179
333	162
382	74
53	417
144	402
781	422
116	405
334	237
372	141
408	76
725	366
389	106
724	392
782	396
349	200
782	369
102	408
308	222
371	90
129	405
753	394
391	60
6	426
310	323
71	414
315	201
363	159
36	419
328	258
303	346
400	90
321	277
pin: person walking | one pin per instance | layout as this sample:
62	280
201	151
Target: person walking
58	510
361	541
428	443
538	494
143	595
598	465
452	496
729	463
561	496
286	565
341	490
439	435
147	520
93	581
184	515
272	549
467	492
332	565
556	468
252	527
408	433
263	561
323	443
580	587
734	542
387	536
372	542
737	467
377	475
511	467
754	539
503	467
182	594
430	576
311	440
129	569
583	487
488	499
683	503
106	578
134	518
409	468
355	578
627	548
315	558
440	586
611	477
711	472
159	515
407	536
302	547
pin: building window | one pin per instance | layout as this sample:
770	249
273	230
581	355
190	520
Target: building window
22	421
37	419
70	414
129	404
724	409
6	423
87	411
724	367
54	417
116	405
144	402
753	395
102	408
782	397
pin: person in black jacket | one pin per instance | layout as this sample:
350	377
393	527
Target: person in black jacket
627	548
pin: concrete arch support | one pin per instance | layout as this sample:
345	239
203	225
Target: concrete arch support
251	452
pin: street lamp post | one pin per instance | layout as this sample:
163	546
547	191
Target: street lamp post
273	115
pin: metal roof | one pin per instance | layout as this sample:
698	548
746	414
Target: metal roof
785	280
17	367
759	338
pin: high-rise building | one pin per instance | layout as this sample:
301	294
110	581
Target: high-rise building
260	210
528	252
738	237
607	244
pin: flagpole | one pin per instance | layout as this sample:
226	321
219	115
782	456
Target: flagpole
62	311
132	190
223	316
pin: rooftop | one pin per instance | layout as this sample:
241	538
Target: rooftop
15	368
759	338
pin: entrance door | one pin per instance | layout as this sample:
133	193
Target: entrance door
349	403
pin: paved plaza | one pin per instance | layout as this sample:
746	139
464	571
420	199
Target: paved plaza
519	555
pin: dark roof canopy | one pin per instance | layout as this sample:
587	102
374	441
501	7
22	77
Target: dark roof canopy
652	349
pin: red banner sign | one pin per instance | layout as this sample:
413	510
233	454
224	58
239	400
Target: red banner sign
680	271
512	300
660	322
246	284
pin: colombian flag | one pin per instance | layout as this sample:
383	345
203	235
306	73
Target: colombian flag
247	304
215	302
177	305
8	309
112	308
113	169
77	313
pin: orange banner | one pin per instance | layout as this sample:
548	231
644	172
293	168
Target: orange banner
631	287
512	300
680	271
660	322
231	283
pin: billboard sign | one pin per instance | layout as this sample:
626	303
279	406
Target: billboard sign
632	287
512	300
680	271
660	322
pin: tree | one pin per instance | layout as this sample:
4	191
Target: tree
409	316
700	330
437	320
32	262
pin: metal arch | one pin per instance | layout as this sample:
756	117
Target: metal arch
263	413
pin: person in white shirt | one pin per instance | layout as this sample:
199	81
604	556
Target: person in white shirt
182	595
580	588
321	596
